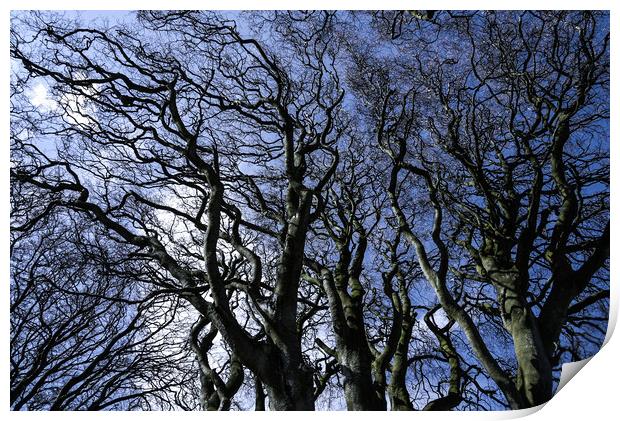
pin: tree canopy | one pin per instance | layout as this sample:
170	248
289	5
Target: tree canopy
403	210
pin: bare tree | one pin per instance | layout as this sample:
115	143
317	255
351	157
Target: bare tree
516	123
403	210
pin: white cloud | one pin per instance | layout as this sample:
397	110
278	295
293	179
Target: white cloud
39	97
79	111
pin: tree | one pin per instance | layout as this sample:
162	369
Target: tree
77	339
517	127
404	210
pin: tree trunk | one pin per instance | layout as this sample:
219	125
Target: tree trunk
397	390
259	400
534	378
360	392
293	390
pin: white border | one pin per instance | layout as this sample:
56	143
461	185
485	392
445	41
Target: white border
591	396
